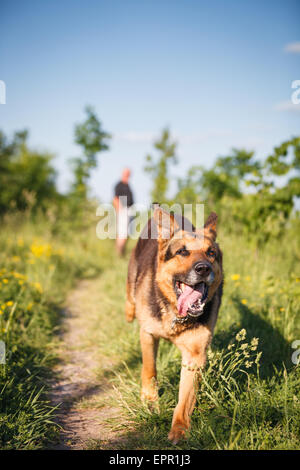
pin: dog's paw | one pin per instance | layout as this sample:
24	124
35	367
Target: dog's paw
149	394
177	433
149	391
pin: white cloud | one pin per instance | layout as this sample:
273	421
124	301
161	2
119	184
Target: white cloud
293	47
136	137
150	137
287	106
198	137
210	135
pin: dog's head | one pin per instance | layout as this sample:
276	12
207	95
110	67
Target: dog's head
189	269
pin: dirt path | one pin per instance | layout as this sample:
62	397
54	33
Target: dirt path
76	386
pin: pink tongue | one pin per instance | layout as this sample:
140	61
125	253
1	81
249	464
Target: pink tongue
187	298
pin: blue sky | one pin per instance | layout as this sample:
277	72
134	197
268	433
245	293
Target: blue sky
218	73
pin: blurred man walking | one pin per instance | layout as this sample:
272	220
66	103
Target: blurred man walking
123	200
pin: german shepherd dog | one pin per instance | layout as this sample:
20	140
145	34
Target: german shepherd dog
174	288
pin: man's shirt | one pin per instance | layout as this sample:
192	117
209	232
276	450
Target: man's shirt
123	189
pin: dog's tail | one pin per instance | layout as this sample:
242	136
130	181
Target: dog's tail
130	307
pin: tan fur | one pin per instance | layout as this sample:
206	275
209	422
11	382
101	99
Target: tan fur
191	341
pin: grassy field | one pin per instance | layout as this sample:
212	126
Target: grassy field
39	263
249	397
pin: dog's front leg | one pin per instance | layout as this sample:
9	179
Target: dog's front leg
193	360
149	345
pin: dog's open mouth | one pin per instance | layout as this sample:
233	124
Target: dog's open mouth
191	299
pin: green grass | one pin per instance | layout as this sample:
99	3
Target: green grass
37	268
238	407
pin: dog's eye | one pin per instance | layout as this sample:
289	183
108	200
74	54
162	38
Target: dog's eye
183	252
210	252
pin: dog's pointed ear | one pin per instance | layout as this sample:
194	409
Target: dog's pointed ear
211	225
166	223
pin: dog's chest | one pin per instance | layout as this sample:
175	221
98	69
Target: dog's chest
166	327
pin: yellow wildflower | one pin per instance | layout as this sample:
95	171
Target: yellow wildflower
41	250
210	354
235	277
19	275
244	301
254	344
241	335
9	303
38	286
258	357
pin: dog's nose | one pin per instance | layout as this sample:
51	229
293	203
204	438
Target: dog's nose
203	269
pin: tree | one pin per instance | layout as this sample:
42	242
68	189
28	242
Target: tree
158	169
189	187
27	178
93	140
224	179
262	210
226	176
